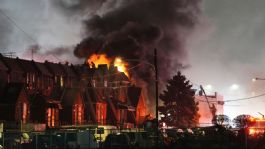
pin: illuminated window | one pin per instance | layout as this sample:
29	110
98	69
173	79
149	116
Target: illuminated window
27	78
49	113
61	81
94	83
105	83
24	113
78	114
33	78
52	116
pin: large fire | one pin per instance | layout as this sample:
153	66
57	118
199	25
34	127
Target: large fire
103	59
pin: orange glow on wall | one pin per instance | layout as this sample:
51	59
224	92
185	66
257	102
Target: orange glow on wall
101	112
78	114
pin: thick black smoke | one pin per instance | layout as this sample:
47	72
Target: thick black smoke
136	27
133	28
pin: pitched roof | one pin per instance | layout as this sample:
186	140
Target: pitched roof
42	68
28	66
12	92
12	64
69	70
55	68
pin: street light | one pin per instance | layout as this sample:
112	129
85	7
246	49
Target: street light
234	87
255	79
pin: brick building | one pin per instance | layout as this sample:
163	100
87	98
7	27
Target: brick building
61	94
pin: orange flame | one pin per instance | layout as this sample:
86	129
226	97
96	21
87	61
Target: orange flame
99	59
103	59
121	65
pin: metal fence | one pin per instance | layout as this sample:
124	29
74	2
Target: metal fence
58	139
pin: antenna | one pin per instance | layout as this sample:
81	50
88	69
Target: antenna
9	54
261	115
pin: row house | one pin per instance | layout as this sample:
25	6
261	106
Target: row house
62	94
109	92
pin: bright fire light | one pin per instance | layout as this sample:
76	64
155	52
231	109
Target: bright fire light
121	65
99	59
103	59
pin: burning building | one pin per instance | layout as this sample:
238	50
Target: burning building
98	93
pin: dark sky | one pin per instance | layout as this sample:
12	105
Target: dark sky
226	47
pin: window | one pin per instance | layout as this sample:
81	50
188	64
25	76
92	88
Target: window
27	78
105	83
94	83
33	78
61	81
24	112
52	117
78	114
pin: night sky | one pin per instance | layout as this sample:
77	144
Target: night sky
225	47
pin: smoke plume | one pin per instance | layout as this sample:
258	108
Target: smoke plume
133	28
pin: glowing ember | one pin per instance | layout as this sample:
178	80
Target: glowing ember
103	59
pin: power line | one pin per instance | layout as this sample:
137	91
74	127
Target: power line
247	98
17	26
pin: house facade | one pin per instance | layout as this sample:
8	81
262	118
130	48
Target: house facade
64	94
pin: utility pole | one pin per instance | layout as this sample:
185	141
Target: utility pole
156	90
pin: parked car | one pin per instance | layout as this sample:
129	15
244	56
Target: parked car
117	141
